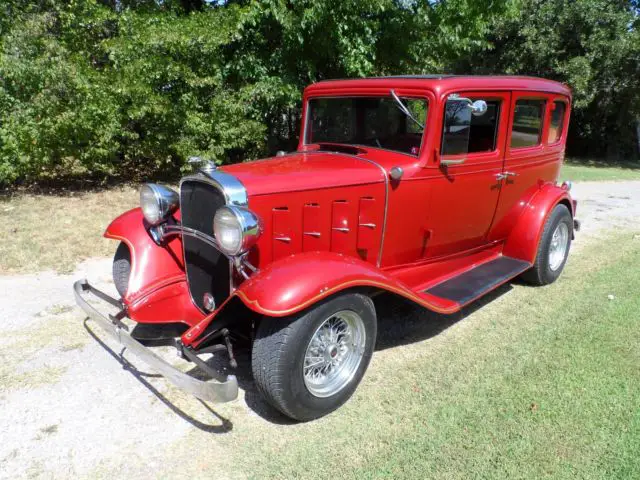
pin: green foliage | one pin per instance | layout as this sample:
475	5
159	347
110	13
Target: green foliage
170	76
55	111
134	87
594	47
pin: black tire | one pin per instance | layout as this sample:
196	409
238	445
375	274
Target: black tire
279	351
541	273
122	268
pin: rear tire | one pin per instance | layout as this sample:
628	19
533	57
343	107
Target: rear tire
553	248
308	364
122	269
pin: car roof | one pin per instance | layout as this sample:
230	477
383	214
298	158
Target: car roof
442	83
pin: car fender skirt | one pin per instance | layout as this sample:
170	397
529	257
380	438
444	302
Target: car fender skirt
522	242
297	282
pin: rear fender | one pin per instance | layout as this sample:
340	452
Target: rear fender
157	290
523	240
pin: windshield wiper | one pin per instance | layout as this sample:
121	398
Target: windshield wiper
403	108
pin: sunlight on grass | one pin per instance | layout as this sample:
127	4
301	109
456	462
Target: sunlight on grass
58	231
581	171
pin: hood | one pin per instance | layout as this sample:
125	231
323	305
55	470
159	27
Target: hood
304	171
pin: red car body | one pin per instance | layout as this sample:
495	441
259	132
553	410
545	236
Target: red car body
335	219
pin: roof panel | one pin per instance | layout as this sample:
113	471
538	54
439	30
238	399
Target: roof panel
445	83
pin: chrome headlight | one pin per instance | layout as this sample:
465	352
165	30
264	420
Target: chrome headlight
236	229
157	202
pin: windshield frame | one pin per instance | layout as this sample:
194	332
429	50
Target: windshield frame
402	95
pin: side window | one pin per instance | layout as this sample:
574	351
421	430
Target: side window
467	133
557	121
484	129
527	123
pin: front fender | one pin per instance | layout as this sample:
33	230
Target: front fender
294	283
523	240
157	290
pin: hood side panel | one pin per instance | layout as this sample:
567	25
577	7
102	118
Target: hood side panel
347	220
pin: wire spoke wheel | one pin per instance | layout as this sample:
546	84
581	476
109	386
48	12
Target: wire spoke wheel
334	353
330	346
558	247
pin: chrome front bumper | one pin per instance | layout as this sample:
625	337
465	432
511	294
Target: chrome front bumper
211	390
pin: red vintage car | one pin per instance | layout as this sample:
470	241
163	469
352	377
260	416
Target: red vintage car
437	189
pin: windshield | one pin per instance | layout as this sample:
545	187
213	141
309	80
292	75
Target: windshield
370	121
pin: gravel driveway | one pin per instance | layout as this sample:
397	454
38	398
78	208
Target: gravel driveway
68	408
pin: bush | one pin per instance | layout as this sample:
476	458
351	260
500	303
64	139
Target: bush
54	110
131	88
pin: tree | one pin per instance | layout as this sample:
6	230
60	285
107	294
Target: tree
594	47
133	87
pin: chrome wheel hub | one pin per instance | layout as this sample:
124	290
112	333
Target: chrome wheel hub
334	353
558	247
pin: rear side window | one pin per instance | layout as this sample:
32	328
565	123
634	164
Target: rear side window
527	123
557	121
467	133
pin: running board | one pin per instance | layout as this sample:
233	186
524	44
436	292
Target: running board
474	283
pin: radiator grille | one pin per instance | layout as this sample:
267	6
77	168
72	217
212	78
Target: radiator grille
207	269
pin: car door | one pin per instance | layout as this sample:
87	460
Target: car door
466	187
533	154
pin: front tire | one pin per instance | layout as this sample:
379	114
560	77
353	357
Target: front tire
553	248
309	364
121	269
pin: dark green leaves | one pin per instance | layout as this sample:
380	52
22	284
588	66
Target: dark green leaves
132	88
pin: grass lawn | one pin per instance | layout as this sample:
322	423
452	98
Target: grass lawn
583	171
541	382
58	231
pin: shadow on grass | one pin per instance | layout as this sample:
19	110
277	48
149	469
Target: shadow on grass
400	322
225	424
65	185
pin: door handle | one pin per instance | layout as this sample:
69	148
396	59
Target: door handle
452	162
503	175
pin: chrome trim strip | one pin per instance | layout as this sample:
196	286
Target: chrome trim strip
386	195
231	188
232	284
211	390
167	231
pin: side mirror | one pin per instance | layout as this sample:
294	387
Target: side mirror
478	108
